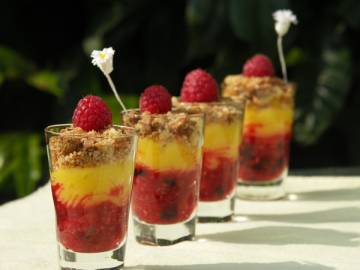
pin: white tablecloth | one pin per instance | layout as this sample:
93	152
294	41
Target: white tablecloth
317	229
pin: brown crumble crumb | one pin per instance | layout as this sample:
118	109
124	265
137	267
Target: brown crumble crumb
73	147
164	127
260	90
225	111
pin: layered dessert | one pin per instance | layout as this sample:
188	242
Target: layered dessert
168	160
223	122
264	152
92	164
220	151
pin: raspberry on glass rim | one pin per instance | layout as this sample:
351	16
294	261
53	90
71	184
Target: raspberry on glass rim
264	152
91	168
155	99
223	120
258	66
92	113
199	86
167	169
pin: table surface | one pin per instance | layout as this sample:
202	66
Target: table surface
316	227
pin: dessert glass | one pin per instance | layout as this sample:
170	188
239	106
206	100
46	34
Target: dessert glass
167	175
223	125
91	178
264	152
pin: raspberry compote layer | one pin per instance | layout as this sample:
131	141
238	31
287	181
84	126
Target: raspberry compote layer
263	158
164	197
218	177
94	228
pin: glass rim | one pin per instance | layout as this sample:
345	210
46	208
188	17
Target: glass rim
173	110
48	130
219	102
226	103
240	108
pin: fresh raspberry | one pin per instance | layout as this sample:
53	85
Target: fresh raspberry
199	86
155	99
258	66
92	113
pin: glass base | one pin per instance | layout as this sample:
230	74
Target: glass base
108	260
164	235
218	211
263	191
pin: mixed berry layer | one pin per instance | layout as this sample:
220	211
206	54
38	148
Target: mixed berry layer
92	205
220	160
219	176
164	197
263	158
93	228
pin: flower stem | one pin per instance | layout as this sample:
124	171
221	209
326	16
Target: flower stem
114	91
281	57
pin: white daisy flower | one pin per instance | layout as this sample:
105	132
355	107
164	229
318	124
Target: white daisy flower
283	19
103	59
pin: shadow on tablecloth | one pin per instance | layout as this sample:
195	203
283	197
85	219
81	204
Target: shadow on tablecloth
237	266
342	214
344	194
285	235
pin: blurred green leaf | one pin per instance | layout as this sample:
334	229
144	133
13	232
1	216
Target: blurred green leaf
20	162
13	65
48	81
294	56
330	93
198	11
243	19
108	16
206	20
35	154
251	21
131	101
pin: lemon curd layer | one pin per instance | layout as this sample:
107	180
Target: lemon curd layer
264	121
91	185
223	137
170	155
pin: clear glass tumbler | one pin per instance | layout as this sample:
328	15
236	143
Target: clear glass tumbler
264	151
167	175
91	179
223	125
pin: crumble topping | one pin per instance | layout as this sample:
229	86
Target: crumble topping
74	147
225	111
260	90
165	127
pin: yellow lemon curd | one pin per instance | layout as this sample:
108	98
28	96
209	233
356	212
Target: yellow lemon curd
179	155
170	155
224	138
268	120
91	185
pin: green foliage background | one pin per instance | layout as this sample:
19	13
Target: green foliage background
45	67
